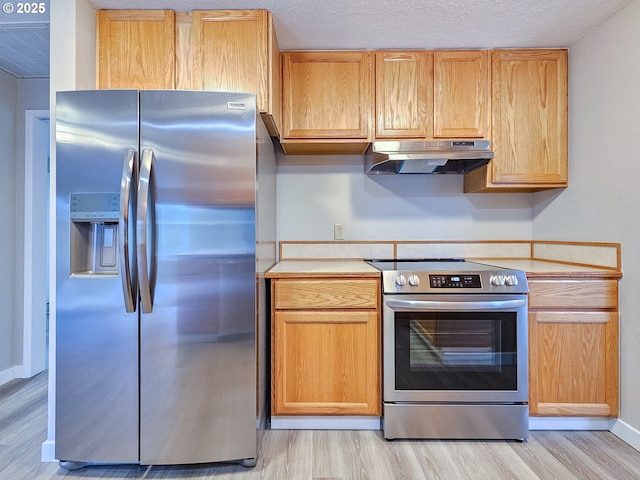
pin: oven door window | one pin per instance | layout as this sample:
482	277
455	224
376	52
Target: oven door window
455	351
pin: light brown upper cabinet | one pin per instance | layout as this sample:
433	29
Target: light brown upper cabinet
461	94
326	101
237	51
529	123
426	95
136	49
404	94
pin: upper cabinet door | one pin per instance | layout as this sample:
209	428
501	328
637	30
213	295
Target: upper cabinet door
404	96
237	51
530	117
136	49
461	94
326	94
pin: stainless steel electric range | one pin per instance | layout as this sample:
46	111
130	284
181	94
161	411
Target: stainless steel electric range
454	350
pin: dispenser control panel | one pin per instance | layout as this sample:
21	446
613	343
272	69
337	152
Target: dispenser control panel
94	234
94	207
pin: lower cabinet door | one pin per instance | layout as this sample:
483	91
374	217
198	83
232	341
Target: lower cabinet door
573	363
326	363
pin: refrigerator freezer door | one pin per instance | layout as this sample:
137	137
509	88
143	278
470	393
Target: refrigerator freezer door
198	362
96	340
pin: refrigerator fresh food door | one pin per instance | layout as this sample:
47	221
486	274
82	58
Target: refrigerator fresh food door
96	339
196	259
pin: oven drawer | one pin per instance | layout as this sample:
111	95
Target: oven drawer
334	293
578	294
451	421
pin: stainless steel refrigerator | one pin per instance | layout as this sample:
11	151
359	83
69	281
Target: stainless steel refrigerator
163	237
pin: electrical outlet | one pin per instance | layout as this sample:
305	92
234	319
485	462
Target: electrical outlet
338	231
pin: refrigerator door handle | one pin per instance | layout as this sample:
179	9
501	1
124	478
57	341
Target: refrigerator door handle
128	176
145	221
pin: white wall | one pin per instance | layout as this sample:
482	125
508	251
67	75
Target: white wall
73	62
602	202
16	95
33	94
8	106
315	192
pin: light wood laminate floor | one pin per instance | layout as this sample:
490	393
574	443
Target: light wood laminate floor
331	455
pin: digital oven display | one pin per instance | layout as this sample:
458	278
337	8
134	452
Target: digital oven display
455	281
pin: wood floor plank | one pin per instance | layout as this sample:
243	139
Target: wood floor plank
330	455
331	460
299	455
584	463
457	459
540	461
372	454
405	463
503	458
439	460
610	452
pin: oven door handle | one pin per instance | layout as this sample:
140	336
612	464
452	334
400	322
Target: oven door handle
425	305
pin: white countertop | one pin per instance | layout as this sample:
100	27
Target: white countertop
534	268
548	268
289	268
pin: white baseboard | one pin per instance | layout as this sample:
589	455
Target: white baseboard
373	423
325	423
48	451
619	428
11	374
626	433
571	423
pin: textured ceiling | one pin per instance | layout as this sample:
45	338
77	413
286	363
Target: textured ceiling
24	50
364	24
428	24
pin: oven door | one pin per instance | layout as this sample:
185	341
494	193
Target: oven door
455	348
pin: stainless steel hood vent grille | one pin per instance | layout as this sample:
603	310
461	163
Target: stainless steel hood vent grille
444	156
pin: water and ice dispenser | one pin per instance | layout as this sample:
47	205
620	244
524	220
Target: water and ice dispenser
94	233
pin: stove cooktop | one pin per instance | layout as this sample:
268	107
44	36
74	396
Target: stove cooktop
447	275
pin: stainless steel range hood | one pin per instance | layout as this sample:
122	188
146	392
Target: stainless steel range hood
438	156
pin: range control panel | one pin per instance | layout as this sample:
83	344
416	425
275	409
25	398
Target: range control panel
496	281
444	276
455	281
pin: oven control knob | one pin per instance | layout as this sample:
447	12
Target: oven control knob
401	280
497	280
511	280
414	280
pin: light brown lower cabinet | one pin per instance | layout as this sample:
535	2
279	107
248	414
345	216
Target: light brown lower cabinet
573	347
325	347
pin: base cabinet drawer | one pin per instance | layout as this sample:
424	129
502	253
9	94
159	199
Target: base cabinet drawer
573	294
326	294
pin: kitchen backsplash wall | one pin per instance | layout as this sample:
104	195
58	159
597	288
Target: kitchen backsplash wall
316	192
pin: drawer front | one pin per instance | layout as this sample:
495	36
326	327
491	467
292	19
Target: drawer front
326	294
578	294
